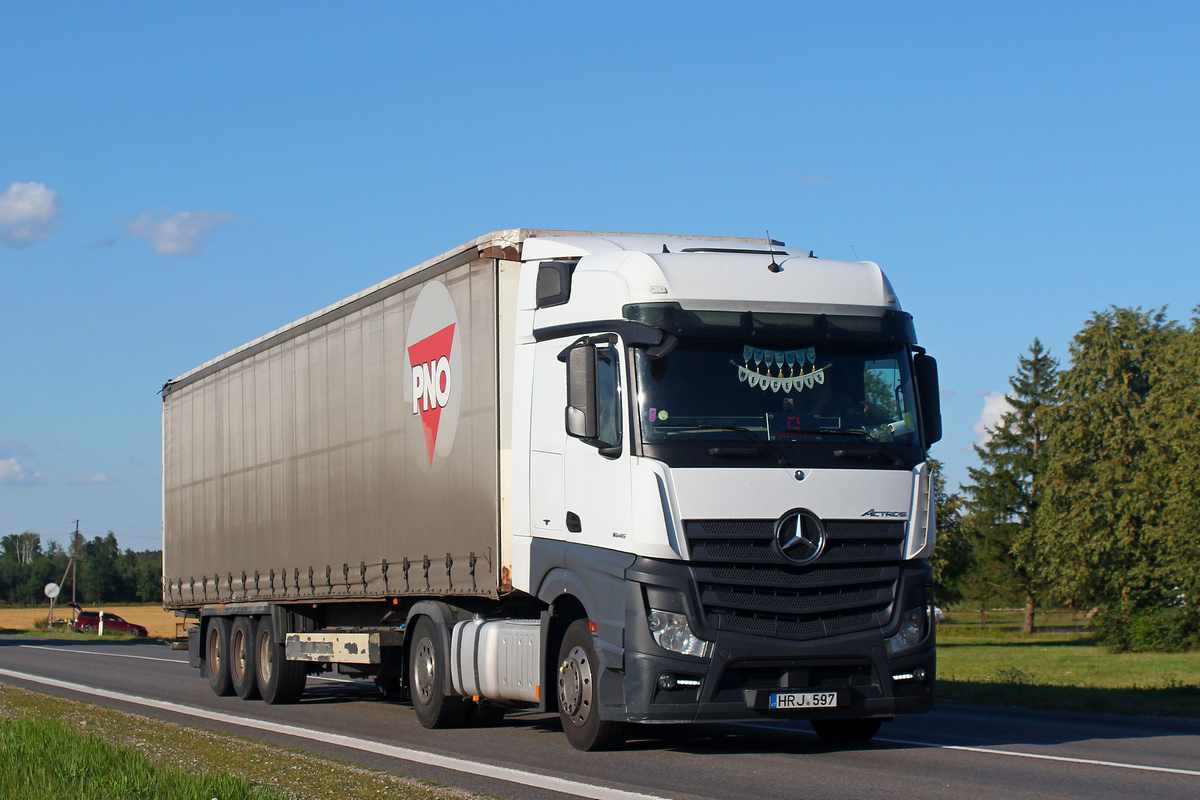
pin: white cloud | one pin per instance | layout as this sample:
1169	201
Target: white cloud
995	406
27	211
98	477
179	234
12	473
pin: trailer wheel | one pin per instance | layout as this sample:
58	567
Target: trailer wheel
427	675
216	656
578	669
242	662
279	681
846	731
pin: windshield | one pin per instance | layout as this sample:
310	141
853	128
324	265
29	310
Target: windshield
790	395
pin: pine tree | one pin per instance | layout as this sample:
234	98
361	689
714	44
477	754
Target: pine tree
1005	489
1101	508
1171	470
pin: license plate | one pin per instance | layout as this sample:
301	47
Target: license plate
804	700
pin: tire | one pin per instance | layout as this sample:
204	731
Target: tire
216	656
427	676
846	731
279	681
242	659
89	628
578	671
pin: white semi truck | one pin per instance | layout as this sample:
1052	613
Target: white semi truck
629	478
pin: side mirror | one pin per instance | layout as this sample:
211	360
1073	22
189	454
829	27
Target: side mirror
929	395
581	391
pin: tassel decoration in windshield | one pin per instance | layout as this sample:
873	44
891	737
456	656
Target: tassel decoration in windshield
775	362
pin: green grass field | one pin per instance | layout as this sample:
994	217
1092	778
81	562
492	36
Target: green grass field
43	759
999	665
56	749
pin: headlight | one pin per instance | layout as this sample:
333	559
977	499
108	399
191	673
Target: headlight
672	632
910	632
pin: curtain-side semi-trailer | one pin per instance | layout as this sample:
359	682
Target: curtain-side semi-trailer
630	478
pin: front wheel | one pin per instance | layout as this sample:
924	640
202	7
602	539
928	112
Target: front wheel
578	706
427	676
846	731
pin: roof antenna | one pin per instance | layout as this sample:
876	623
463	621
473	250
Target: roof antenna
852	250
774	267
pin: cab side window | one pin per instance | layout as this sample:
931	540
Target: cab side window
608	397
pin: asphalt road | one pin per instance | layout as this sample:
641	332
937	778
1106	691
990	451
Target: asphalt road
954	752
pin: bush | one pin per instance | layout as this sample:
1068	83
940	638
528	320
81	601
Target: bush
1150	630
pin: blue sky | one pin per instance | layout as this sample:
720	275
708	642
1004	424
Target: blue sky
177	180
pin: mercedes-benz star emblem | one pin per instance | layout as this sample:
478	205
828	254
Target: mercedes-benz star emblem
800	536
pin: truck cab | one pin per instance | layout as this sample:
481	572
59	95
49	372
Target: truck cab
725	449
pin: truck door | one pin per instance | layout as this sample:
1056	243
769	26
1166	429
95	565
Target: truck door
596	457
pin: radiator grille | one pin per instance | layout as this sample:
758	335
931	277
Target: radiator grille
745	585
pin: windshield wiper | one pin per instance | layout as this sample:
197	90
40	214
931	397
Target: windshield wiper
760	443
879	449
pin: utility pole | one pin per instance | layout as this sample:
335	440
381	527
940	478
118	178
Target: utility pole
73	556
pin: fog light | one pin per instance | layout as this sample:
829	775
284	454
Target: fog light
917	674
666	681
672	632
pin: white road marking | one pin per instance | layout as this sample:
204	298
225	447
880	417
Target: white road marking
562	785
1015	753
101	653
153	658
1044	757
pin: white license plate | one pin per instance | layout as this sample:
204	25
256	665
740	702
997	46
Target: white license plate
804	700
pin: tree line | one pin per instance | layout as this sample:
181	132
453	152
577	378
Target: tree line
101	572
1088	490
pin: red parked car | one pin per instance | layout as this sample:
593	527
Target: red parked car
89	622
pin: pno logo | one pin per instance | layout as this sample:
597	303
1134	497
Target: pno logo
432	351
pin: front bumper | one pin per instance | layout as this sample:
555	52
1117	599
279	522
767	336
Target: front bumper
744	670
741	676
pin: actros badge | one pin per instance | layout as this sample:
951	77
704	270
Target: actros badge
433	356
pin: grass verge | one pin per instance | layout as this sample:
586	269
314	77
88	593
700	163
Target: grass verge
51	748
1066	672
43	759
